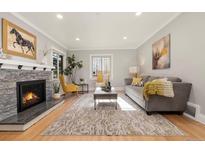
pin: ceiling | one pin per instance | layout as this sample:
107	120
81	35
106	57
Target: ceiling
99	30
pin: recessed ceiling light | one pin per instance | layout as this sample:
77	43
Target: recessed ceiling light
138	13
59	16
77	39
124	37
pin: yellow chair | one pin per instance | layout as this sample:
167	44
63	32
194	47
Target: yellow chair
100	81
68	88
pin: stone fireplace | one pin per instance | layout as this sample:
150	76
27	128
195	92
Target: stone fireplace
24	80
30	93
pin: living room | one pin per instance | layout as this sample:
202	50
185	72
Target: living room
103	76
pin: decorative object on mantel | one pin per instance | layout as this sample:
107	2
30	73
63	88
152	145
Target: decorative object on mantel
17	41
45	53
56	88
161	53
2	54
72	67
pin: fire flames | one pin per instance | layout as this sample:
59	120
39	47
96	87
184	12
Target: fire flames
30	96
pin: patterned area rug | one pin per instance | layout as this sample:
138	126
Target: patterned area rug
128	119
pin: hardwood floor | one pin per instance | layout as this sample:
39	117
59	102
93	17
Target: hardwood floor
194	130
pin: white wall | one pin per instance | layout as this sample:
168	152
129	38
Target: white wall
122	60
42	41
187	53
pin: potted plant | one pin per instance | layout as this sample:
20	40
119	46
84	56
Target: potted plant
82	80
72	66
56	88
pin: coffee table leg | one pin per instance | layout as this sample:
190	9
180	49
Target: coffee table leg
95	104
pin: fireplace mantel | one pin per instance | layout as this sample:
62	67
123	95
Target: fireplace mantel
13	64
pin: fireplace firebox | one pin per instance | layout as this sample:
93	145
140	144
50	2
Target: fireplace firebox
30	93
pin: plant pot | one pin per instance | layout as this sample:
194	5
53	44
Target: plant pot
56	96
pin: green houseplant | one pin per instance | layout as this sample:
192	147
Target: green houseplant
56	88
72	67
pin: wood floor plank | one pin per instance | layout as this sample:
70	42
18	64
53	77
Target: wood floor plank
193	130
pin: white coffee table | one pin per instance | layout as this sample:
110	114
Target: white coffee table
99	94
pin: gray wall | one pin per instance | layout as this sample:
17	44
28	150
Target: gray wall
122	60
42	41
187	53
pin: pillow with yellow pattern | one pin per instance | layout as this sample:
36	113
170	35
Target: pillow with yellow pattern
136	81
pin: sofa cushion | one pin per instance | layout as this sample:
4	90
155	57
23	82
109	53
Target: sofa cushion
151	78
128	81
145	78
138	91
174	79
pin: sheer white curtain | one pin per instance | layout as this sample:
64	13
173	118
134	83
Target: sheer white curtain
101	63
106	65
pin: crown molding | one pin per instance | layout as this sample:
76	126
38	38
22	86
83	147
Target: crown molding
20	17
160	28
92	49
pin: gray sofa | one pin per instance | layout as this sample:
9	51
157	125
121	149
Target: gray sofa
157	103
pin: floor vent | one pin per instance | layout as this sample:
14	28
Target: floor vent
191	110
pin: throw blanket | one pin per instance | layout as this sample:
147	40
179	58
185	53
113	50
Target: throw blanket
158	87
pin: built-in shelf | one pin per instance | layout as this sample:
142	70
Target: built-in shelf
13	64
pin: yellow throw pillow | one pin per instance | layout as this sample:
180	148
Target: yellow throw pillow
100	77
136	81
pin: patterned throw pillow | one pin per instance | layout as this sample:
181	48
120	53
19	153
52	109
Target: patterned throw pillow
136	81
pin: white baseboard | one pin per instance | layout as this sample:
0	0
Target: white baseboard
201	118
189	116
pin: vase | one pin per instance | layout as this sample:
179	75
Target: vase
44	61
57	96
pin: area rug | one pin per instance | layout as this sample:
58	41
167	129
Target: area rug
128	119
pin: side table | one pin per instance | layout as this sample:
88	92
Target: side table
84	88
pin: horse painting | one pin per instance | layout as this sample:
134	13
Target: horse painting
22	42
17	41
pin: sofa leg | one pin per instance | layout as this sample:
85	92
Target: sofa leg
149	113
180	113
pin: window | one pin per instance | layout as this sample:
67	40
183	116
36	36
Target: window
101	63
58	64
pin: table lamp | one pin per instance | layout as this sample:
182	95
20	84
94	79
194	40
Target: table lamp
133	71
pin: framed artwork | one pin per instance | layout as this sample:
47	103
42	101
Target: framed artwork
161	53
17	41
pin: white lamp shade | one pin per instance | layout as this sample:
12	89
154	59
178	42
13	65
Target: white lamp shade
133	69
